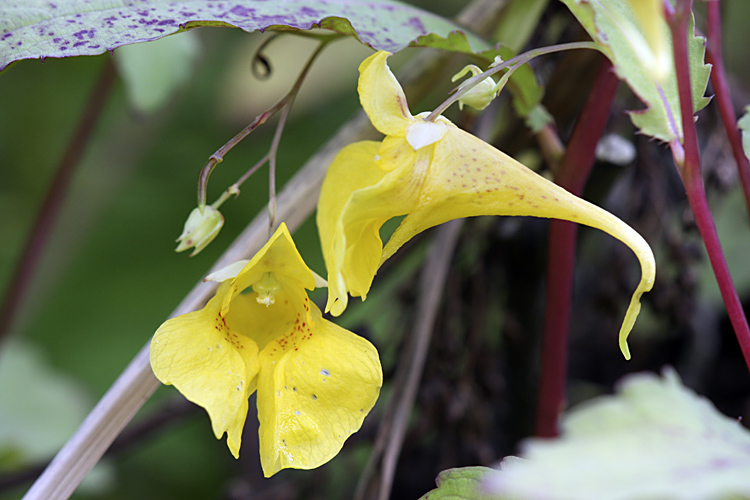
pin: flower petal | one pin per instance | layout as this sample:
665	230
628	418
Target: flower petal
468	177
210	364
228	272
358	195
314	391
353	168
264	323
279	256
382	97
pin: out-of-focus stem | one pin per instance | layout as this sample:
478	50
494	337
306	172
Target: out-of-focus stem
723	97
693	180
574	171
45	222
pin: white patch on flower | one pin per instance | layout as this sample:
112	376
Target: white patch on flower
325	372
228	272
423	133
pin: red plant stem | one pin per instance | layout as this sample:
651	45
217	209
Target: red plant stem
574	171
47	217
723	97
693	181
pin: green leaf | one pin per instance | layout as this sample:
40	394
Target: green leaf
613	24
744	125
152	72
654	439
40	407
464	483
39	29
40	410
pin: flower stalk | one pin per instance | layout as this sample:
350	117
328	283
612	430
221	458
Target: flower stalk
688	164
723	96
574	170
511	65
284	103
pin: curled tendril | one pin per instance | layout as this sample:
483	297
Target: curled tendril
260	64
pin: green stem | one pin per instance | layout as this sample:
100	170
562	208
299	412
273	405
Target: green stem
272	161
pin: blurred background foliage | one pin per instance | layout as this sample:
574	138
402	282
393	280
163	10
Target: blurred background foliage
110	276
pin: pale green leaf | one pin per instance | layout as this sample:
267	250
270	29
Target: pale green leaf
39	410
38	29
744	125
655	439
153	71
464	483
613	25
519	21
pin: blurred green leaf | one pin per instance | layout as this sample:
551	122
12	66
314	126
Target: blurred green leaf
40	407
153	71
731	220
654	439
40	410
39	29
614	26
520	19
462	483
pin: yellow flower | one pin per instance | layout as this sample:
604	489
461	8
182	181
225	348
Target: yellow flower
433	172
316	382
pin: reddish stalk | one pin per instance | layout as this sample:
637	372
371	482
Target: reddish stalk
574	171
693	181
46	219
723	97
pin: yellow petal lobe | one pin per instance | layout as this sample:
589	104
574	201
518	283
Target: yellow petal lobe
360	193
314	390
280	256
382	97
211	364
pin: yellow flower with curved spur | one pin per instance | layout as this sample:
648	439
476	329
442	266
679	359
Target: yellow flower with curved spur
316	381
433	172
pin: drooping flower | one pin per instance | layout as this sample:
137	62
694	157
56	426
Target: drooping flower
316	381
433	172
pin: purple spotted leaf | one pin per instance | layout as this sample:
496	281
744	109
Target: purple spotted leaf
31	29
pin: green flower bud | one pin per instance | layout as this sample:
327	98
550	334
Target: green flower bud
201	227
480	95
